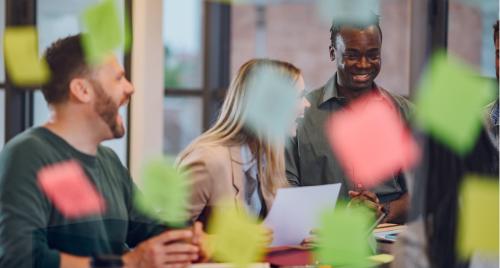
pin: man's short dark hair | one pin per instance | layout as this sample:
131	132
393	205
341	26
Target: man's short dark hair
66	61
374	20
495	31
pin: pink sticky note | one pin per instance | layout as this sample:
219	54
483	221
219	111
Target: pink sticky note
371	141
67	186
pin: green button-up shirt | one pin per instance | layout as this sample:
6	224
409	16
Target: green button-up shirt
309	158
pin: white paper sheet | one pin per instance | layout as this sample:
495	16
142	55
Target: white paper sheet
296	211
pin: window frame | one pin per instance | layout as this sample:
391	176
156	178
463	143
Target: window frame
216	61
19	104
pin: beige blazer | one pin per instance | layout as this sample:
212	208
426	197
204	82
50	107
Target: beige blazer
215	172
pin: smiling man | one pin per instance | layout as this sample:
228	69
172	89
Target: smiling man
356	48
84	101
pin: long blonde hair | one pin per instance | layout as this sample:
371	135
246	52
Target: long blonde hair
229	128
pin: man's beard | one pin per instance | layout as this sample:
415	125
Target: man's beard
107	110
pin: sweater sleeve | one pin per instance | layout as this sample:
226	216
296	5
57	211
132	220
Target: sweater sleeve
24	211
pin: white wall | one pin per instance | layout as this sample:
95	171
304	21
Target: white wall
146	121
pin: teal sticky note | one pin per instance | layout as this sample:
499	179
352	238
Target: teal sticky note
104	31
342	237
271	101
165	192
450	102
353	12
229	2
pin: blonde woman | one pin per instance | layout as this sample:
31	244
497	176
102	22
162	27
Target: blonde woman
229	161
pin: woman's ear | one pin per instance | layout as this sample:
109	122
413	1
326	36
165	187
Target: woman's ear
80	90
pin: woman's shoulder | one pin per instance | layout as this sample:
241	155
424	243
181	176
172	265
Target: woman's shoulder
210	154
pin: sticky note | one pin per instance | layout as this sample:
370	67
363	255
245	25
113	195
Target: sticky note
128	34
342	237
371	141
450	102
237	238
164	193
473	3
23	65
229	2
478	216
352	12
104	31
68	188
271	101
382	258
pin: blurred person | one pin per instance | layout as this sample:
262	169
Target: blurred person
84	100
491	114
356	48
230	160
430	240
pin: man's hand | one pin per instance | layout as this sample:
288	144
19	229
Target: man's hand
368	199
170	249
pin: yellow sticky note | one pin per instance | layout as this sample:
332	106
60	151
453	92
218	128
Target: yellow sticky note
381	258
478	216
237	238
21	57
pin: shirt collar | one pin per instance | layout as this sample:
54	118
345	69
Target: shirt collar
247	158
494	114
331	91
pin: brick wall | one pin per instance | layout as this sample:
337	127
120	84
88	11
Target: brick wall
296	34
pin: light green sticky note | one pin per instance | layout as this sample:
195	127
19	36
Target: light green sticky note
128	34
342	237
104	31
237	238
450	102
478	216
21	57
165	192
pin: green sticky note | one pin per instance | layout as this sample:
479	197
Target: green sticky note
104	31
164	193
450	102
21	57
342	237
237	238
478	216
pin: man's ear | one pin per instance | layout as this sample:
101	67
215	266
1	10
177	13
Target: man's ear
332	52
80	90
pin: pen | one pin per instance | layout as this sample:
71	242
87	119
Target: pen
376	223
